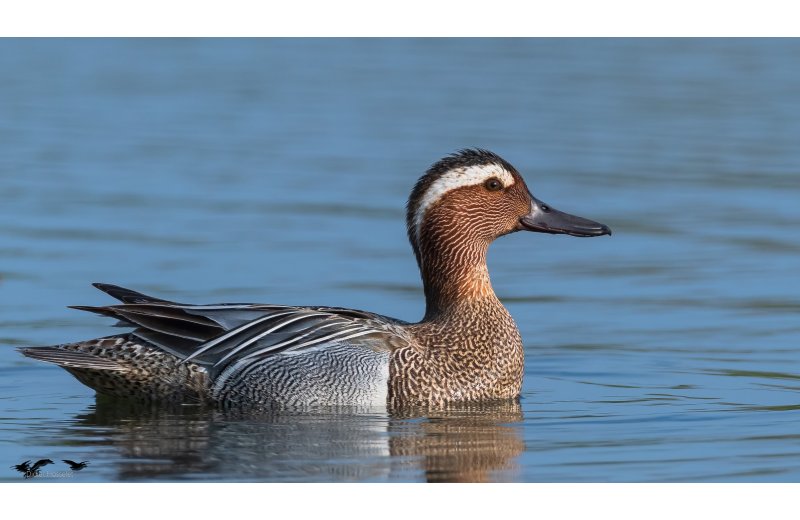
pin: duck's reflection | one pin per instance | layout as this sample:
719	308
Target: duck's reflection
467	444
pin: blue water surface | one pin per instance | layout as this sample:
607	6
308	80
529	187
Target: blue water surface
277	171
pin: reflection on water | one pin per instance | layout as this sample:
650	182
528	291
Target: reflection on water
466	444
470	444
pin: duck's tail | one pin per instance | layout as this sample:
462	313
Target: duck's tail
123	366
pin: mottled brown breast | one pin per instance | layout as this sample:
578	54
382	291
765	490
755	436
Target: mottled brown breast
472	352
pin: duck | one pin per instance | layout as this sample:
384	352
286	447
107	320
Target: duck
466	347
75	466
34	471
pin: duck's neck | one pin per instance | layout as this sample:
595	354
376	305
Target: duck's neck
454	274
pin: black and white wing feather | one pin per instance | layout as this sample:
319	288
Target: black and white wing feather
214	336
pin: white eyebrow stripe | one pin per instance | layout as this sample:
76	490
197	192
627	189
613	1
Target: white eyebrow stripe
458	178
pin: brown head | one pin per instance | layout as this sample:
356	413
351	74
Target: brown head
461	204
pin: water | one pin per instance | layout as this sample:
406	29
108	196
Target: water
277	170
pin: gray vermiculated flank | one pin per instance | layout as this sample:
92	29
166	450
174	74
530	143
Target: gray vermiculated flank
333	375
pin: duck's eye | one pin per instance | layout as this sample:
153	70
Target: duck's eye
493	184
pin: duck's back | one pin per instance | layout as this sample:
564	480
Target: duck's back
264	355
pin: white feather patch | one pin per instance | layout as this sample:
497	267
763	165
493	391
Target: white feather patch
459	178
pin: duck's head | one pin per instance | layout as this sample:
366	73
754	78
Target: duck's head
475	196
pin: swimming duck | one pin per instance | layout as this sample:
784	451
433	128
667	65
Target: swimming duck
466	347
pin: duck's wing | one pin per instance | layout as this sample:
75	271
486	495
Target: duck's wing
39	463
213	336
22	467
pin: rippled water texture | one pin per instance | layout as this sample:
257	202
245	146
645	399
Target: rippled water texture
277	171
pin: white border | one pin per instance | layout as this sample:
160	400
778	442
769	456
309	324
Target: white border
401	501
408	18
